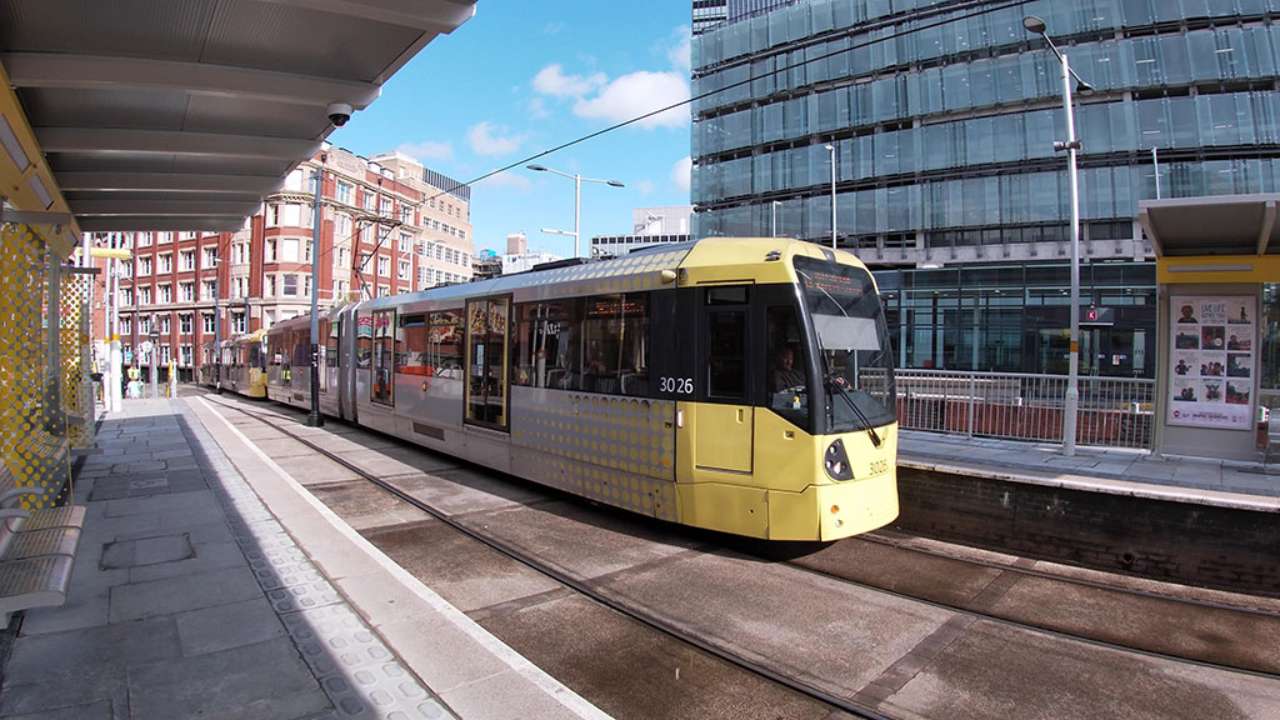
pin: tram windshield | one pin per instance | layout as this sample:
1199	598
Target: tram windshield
854	355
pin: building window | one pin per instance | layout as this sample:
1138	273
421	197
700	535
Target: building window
210	257
184	323
144	326
404	270
206	322
126	270
289	250
383	291
165	262
306	286
207	289
142	239
126	326
289	285
344	257
345	192
405	243
164	355
270	250
384	267
237	322
187	260
166	325
306	251
187	291
146	266
185	355
144	295
268	286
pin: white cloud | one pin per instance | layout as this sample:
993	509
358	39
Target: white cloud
680	54
551	80
644	186
509	180
427	150
538	108
489	139
682	173
637	93
553	28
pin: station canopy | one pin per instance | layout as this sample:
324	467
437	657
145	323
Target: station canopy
1212	225
184	114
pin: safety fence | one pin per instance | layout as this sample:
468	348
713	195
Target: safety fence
1113	412
46	404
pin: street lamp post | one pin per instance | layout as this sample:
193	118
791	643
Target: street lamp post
1072	145
577	201
831	149
217	324
314	418
773	222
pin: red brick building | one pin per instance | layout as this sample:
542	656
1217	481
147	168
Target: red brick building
388	226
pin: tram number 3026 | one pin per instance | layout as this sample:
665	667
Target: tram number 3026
677	385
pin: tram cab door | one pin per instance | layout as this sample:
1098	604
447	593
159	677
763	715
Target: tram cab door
725	421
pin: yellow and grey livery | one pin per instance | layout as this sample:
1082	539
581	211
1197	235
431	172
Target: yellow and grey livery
739	385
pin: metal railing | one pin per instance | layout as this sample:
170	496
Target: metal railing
1114	412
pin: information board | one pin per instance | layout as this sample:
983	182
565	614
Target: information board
1212	361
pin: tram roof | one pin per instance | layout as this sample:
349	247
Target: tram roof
1212	225
184	114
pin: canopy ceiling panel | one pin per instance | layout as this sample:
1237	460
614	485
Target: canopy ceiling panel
151	110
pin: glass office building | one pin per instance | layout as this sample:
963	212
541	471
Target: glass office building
943	138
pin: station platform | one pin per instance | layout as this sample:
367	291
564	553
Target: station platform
208	583
1136	473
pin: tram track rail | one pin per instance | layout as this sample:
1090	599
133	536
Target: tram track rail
648	620
857	709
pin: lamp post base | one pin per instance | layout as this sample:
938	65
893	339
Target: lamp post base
315	419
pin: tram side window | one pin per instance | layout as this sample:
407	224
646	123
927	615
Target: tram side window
364	341
788	385
411	357
615	335
444	344
384	342
301	348
546	351
332	358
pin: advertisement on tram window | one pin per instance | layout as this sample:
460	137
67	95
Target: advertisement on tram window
1211	361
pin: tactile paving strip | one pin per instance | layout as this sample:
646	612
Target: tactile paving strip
361	676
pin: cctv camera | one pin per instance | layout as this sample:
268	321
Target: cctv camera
339	113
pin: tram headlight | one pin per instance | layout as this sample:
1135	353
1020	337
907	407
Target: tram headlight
836	462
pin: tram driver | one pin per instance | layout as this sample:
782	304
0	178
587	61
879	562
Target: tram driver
785	373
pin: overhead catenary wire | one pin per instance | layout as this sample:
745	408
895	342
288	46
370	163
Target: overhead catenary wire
865	28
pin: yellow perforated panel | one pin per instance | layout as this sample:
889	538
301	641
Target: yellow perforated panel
33	456
73	340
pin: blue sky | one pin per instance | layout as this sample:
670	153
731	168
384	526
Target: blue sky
523	76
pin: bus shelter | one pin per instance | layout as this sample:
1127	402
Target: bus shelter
1217	272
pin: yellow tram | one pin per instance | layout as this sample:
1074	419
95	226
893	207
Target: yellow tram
739	385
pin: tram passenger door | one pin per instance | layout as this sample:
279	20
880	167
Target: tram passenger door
725	422
486	387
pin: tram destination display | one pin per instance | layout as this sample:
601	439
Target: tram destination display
1211	361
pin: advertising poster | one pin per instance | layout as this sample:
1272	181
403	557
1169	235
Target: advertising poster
1211	361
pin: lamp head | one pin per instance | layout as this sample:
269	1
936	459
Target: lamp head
1083	87
829	147
614	183
537	168
1034	25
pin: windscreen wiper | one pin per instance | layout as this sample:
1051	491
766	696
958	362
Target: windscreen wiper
862	417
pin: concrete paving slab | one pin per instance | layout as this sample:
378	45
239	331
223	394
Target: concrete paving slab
227	626
632	672
208	557
364	506
467	574
318	470
283	448
466	490
227	685
99	710
802	623
173	595
573	537
988	671
184	504
60	669
146	551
